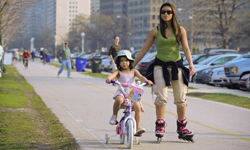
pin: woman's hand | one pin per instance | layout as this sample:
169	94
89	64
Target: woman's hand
192	70
150	82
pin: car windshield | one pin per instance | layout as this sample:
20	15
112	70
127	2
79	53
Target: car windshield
247	56
207	61
194	58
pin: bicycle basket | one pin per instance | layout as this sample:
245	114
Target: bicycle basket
135	93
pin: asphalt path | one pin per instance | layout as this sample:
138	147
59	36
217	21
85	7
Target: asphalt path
83	105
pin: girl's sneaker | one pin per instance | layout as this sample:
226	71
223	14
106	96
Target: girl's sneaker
139	130
112	120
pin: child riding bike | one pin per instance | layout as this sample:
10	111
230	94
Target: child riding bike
25	56
126	74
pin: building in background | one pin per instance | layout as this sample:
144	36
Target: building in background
66	11
143	16
95	6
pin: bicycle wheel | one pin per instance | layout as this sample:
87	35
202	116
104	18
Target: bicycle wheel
130	135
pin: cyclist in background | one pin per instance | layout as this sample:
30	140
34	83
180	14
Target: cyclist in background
25	56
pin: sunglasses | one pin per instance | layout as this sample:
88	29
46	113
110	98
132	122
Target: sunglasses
168	12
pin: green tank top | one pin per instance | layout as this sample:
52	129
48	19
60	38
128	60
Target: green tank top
167	49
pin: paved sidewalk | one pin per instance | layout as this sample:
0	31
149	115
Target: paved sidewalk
84	106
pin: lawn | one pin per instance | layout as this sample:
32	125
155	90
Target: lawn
26	122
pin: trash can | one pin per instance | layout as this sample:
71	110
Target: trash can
48	58
96	65
80	64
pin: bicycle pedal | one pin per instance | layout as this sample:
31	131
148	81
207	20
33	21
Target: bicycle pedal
138	135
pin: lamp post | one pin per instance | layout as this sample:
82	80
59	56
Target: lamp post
55	48
82	34
31	44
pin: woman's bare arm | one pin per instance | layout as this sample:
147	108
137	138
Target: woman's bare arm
186	51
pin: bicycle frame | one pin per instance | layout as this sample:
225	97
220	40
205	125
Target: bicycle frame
121	85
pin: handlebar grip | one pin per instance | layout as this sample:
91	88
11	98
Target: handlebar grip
112	81
148	84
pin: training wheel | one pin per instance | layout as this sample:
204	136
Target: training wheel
138	140
106	138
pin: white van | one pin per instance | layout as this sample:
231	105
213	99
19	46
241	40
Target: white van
222	51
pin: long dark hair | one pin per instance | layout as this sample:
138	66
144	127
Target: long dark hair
174	22
117	62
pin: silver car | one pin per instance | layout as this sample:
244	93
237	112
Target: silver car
216	76
215	60
235	70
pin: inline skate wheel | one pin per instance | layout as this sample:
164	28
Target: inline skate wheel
106	138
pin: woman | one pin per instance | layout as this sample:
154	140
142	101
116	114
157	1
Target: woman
168	67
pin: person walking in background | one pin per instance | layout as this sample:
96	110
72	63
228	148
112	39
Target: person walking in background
113	51
168	67
66	60
42	54
33	55
20	54
16	56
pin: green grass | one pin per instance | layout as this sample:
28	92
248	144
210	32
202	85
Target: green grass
26	122
236	100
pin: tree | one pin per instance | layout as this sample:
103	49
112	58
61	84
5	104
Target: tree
10	22
218	21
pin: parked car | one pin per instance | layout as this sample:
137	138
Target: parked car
202	76
244	82
135	53
106	64
147	61
223	51
235	70
215	61
216	76
198	58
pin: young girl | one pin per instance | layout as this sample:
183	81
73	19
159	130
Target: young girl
126	74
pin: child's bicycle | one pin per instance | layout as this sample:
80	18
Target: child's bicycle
127	125
25	63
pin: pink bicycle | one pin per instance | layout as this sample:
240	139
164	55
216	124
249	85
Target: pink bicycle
126	127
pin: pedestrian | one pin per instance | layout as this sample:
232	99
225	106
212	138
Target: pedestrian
16	55
66	60
42	55
168	68
33	55
20	54
113	51
126	74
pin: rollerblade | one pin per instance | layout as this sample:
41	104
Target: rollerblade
184	133
159	129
